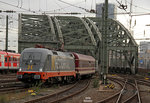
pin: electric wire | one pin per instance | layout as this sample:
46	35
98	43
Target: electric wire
17	6
60	7
139	6
75	6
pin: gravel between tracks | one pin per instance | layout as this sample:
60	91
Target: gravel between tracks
91	95
42	92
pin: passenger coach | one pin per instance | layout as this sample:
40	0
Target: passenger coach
9	62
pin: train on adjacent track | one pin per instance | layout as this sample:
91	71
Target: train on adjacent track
9	62
41	64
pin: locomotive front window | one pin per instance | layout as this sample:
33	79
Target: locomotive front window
32	56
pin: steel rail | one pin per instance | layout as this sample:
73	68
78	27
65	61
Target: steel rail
71	95
147	83
48	96
133	96
138	93
121	92
116	94
7	80
12	90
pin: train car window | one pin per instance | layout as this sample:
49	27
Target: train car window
55	53
6	59
14	59
9	58
32	55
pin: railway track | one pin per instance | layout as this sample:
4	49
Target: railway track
10	84
12	90
134	95
7	76
113	97
77	88
8	80
129	92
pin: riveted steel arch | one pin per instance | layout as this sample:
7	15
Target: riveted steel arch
77	35
123	50
34	29
83	35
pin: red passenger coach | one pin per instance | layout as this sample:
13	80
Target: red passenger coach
84	64
9	61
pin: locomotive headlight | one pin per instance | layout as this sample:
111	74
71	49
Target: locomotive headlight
19	69
40	70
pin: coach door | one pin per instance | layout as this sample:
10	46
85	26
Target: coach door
7	62
14	62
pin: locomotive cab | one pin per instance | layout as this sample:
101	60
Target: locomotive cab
32	62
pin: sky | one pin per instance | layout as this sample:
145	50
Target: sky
51	7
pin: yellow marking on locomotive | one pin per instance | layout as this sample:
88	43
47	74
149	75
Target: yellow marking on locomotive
30	67
53	62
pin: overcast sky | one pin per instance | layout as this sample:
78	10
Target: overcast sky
56	6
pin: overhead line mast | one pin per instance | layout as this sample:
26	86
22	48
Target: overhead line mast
104	66
131	16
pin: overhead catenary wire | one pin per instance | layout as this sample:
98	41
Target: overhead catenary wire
77	6
139	6
72	5
17	7
51	11
60	7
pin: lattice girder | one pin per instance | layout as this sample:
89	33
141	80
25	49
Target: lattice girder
120	41
82	35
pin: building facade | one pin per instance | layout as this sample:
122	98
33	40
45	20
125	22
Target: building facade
144	55
112	10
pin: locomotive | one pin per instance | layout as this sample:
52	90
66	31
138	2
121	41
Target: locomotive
41	64
9	62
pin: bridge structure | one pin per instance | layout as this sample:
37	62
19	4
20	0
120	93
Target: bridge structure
82	35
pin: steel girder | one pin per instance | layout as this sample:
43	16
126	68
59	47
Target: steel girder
83	35
36	29
122	48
